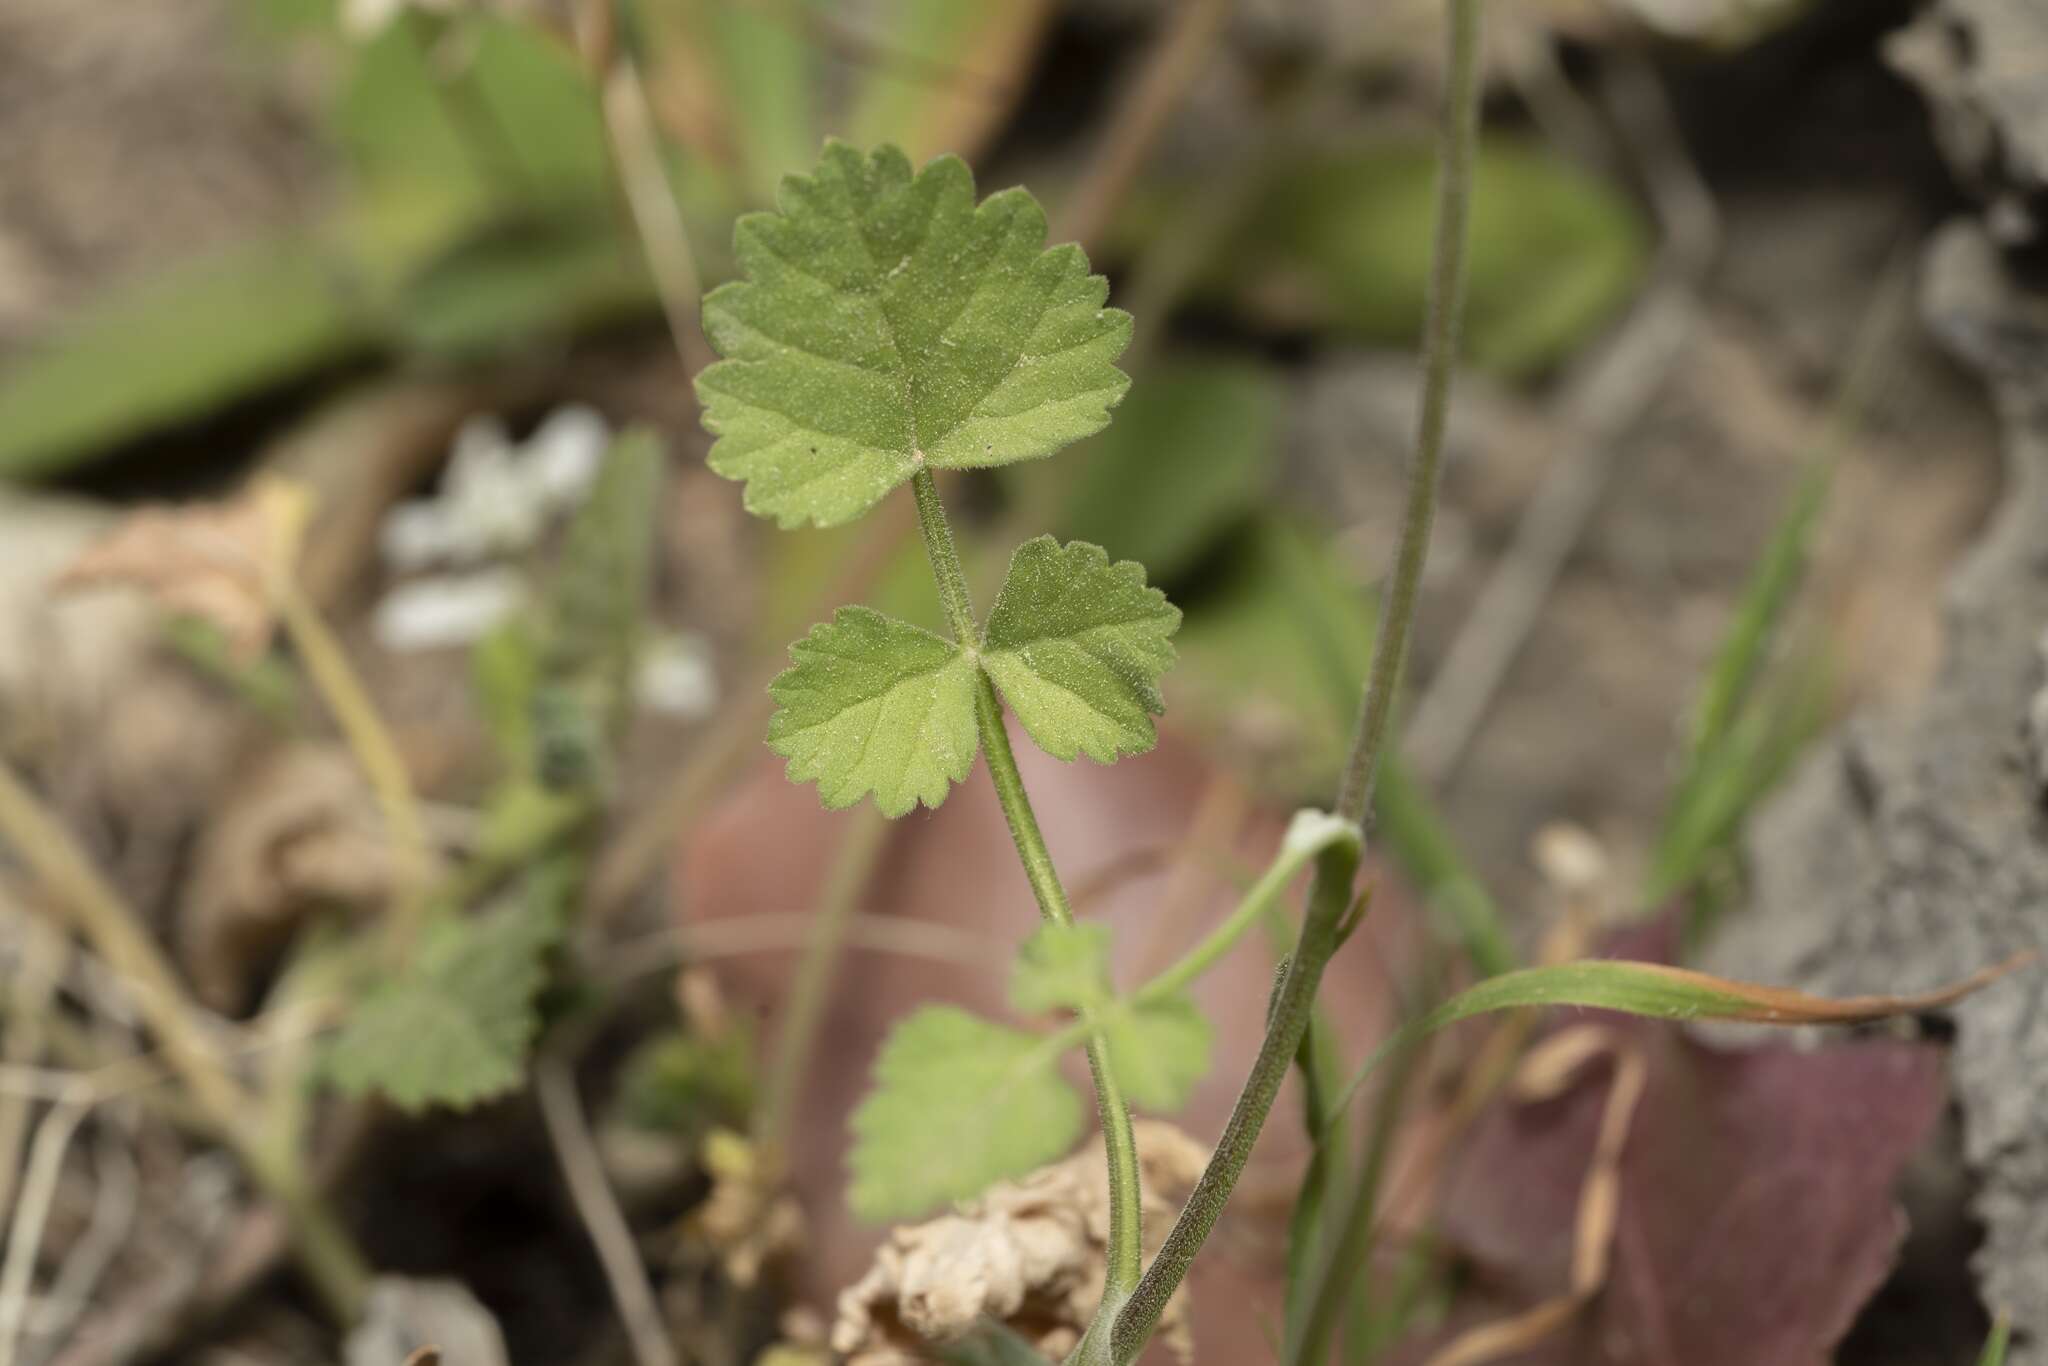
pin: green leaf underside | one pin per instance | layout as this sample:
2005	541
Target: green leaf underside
454	1028
875	705
1160	1050
958	1104
1077	644
886	320
1061	967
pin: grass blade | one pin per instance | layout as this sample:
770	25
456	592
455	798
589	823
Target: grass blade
1658	991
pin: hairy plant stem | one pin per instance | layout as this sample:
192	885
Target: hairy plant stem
1329	898
1125	1255
1439	355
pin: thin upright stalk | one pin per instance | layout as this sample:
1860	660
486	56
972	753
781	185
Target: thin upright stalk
853	865
1439	353
369	740
1329	898
1125	1254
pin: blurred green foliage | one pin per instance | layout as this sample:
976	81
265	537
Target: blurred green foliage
1339	240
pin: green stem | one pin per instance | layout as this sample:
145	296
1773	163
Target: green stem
852	867
1329	897
1439	354
1330	1291
1295	854
1125	1252
945	557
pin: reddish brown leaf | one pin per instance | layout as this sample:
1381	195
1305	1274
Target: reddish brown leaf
1756	1213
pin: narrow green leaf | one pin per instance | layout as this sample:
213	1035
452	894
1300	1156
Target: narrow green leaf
958	1104
886	322
180	344
1077	644
453	1028
1160	1050
1062	967
1660	992
1995	1346
875	705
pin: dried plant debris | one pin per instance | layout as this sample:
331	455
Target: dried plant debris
218	562
1028	1254
296	832
1685	1205
418	1323
1979	63
750	1219
1914	843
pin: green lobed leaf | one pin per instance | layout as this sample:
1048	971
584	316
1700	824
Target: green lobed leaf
1158	1045
958	1104
1077	644
887	323
875	705
1160	1050
454	1027
1062	967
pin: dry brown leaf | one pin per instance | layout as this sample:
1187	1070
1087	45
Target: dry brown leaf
219	562
298	830
1547	1073
1029	1253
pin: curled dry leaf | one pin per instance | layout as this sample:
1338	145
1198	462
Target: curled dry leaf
219	562
297	831
1028	1253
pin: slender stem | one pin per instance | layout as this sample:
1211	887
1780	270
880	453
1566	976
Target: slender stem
853	864
1125	1251
1009	785
1330	1292
369	739
1292	858
1293	1005
1439	354
945	557
1329	896
583	1171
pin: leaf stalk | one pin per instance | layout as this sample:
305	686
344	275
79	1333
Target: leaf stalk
1125	1252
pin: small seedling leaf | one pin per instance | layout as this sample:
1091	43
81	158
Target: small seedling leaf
454	1027
885	323
1062	967
958	1104
1077	644
875	705
1160	1050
